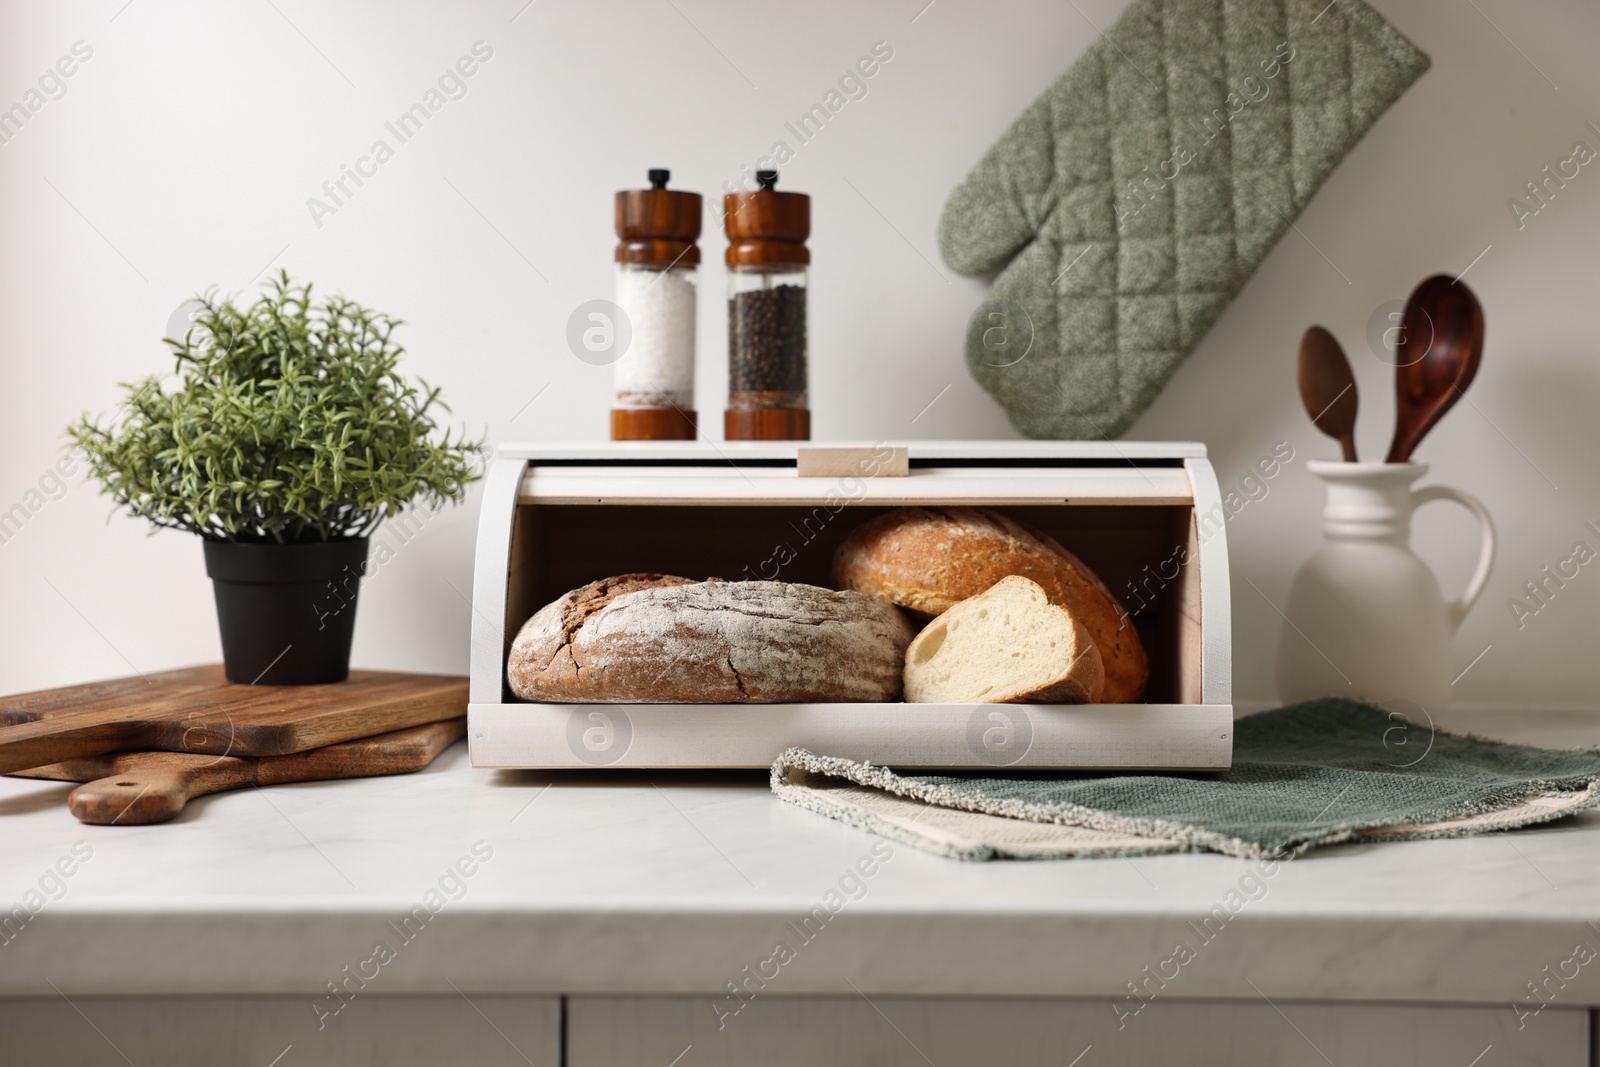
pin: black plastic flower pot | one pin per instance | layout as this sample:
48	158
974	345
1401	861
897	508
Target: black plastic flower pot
287	612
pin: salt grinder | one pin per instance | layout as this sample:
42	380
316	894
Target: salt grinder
657	263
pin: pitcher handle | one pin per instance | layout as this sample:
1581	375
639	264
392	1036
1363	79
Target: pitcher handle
1480	577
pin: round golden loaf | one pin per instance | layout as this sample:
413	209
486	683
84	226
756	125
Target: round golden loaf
929	559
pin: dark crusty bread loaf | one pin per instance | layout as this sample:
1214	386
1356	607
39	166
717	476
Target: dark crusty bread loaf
928	559
655	639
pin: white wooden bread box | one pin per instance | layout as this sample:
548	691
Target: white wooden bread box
1147	517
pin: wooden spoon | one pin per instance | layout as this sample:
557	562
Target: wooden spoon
1328	388
1436	358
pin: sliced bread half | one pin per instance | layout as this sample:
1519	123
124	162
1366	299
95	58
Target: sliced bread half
1007	645
930	559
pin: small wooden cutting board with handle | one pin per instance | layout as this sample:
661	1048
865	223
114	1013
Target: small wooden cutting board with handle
140	788
198	711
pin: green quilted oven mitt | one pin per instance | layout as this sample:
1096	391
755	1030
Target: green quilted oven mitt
1130	202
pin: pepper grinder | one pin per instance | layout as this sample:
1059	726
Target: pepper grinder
767	265
657	260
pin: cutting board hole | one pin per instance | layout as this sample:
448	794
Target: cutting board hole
129	785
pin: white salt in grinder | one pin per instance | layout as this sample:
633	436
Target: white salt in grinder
657	262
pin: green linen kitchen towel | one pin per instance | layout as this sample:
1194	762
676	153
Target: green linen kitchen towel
1316	773
1131	201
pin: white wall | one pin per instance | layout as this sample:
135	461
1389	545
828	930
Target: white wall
185	148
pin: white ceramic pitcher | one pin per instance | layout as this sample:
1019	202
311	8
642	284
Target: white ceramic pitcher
1365	617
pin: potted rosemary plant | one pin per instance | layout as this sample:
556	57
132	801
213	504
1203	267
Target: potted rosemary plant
289	437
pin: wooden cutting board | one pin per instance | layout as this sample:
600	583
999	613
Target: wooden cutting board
140	788
197	710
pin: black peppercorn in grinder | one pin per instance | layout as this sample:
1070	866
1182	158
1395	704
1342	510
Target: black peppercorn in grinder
767	263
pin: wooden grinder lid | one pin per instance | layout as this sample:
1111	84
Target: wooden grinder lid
658	226
766	226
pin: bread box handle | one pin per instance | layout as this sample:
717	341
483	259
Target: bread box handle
869	461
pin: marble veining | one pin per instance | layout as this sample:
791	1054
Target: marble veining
629	882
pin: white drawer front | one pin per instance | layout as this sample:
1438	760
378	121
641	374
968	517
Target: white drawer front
896	1032
192	1031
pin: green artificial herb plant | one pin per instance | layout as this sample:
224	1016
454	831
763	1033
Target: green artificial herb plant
291	424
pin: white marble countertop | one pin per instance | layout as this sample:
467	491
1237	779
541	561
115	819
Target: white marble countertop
630	883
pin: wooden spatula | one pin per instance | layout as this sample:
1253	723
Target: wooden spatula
196	710
140	788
